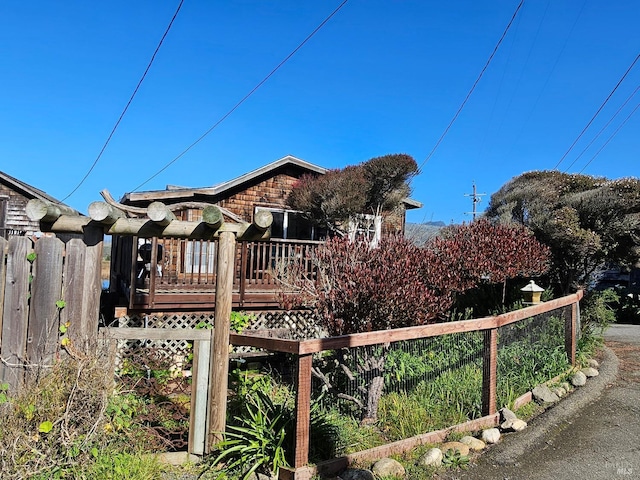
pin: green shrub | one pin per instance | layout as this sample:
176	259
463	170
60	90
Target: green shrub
597	313
256	443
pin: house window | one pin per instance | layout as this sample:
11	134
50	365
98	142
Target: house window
291	225
200	257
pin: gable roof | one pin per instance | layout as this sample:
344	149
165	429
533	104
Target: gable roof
177	192
26	189
173	192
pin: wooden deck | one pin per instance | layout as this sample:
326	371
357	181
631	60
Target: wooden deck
173	274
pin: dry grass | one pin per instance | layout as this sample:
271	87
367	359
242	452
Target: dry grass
58	420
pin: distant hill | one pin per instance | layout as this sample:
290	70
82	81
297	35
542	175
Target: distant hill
420	233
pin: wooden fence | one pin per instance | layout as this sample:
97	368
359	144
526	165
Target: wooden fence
45	284
304	350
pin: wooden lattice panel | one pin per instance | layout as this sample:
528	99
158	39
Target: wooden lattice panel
301	324
297	325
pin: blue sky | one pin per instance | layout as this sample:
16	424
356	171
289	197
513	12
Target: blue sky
380	77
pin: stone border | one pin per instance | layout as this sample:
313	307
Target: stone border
512	447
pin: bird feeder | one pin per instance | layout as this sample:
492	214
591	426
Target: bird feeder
531	293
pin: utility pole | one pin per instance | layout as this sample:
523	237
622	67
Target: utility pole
475	198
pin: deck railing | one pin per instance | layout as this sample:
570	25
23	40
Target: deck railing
187	267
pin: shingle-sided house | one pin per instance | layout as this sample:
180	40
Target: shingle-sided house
14	195
181	273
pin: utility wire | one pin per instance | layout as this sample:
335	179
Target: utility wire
596	114
245	98
603	128
135	91
610	138
504	34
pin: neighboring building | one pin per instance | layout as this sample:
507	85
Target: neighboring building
184	272
14	196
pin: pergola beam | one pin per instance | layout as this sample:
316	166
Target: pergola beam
161	224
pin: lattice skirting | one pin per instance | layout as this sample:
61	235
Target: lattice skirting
298	325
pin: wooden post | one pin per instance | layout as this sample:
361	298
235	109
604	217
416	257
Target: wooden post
133	277
570	330
220	346
16	314
93	238
73	290
303	411
153	271
46	290
489	372
199	389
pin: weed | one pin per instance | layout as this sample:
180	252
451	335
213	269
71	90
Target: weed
454	459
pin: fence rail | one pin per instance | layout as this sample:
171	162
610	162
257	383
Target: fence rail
488	328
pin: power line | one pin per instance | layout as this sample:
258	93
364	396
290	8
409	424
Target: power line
245	98
610	138
596	114
135	91
603	128
504	34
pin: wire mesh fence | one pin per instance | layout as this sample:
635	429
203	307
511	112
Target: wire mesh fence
530	352
381	388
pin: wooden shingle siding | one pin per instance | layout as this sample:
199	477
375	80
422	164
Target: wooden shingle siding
271	192
15	215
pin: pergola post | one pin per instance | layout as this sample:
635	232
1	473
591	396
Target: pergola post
219	357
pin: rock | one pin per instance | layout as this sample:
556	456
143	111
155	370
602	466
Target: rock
461	447
356	474
432	457
514	425
590	372
566	386
388	467
593	363
578	379
559	391
491	435
518	425
506	414
473	443
542	394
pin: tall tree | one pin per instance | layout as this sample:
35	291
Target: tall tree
340	198
586	221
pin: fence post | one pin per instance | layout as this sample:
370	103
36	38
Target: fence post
199	388
219	366
93	239
489	371
46	290
570	330
303	411
16	314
